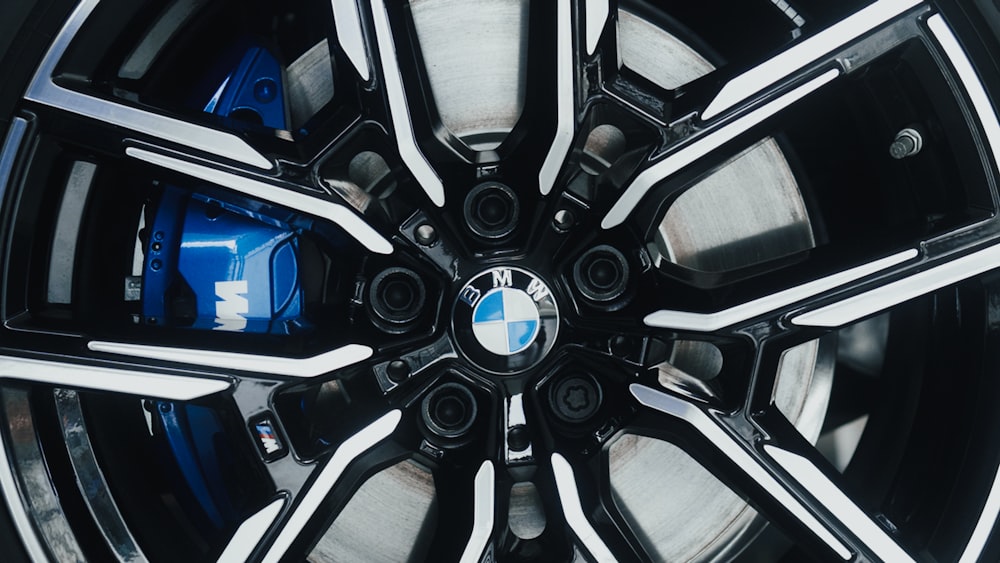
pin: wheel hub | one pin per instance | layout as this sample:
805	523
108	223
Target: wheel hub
505	320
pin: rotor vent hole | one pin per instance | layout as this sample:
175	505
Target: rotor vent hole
526	514
367	178
691	368
369	171
604	145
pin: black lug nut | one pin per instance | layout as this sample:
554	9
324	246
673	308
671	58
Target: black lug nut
601	274
491	210
449	410
397	296
575	398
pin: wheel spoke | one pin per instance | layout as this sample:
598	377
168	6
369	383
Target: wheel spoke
161	384
484	514
44	91
775	302
787	77
243	542
885	296
830	497
705	144
306	503
576	519
338	214
292	367
785	64
350	35
565	106
751	465
402	123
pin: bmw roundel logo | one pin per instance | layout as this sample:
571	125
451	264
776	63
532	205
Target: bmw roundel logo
505	319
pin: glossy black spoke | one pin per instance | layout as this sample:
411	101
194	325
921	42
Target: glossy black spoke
785	484
800	71
470	500
333	481
588	482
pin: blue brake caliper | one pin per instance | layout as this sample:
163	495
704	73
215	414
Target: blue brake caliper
216	266
254	90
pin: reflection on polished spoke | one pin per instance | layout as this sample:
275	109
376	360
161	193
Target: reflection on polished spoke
728	446
350	36
842	508
250	532
134	382
596	17
44	91
569	497
339	214
346	453
401	123
886	296
681	320
565	108
483	513
292	367
703	145
786	63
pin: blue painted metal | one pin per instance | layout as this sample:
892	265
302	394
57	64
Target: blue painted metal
240	268
254	89
191	434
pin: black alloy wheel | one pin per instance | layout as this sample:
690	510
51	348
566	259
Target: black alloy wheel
499	280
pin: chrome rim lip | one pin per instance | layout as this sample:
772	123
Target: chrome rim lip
871	298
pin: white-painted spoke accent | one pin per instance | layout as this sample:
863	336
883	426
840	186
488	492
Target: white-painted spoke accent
276	365
44	91
401	123
250	532
970	81
348	23
703	145
732	449
984	526
840	506
348	451
143	383
483	512
597	16
785	64
569	498
891	294
681	320
565	108
353	224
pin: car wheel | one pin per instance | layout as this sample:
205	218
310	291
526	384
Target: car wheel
491	280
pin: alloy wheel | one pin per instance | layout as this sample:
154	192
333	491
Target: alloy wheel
500	281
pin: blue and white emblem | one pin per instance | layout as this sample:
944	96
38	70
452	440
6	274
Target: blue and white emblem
505	321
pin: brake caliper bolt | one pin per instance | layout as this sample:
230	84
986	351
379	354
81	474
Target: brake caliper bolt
426	234
563	220
517	438
908	142
398	371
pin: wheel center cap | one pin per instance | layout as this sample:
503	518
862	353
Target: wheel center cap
505	319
